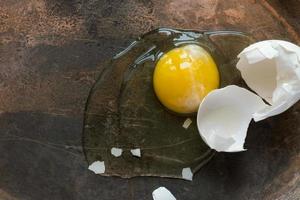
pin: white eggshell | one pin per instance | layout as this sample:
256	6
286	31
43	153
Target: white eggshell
187	123
136	152
117	152
162	193
98	167
224	116
271	68
187	174
281	105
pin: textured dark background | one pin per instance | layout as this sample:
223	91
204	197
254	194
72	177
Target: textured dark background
51	52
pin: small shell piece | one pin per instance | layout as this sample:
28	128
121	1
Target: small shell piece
117	152
187	174
271	68
187	123
162	193
97	167
136	152
224	116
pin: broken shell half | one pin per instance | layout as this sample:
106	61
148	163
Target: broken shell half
224	116
271	68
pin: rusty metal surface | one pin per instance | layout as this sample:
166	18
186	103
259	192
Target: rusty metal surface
51	52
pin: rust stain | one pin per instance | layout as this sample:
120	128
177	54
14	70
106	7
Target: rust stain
235	15
48	94
32	20
6	196
287	183
289	29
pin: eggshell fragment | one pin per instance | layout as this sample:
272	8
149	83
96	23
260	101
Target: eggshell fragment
224	116
162	193
279	106
117	152
136	152
271	68
97	167
187	123
187	174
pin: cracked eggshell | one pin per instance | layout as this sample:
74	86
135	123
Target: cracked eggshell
271	68
117	152
224	116
162	193
136	152
187	123
98	167
187	174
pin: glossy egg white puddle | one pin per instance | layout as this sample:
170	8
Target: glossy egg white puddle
128	127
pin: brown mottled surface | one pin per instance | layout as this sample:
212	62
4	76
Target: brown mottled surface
289	10
51	52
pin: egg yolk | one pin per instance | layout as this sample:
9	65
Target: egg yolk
183	77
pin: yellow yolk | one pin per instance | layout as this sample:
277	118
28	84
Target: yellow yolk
183	77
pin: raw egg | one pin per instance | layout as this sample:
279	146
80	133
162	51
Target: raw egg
139	103
183	77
